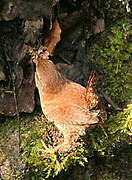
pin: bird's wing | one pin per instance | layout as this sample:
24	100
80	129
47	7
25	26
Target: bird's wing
83	116
73	114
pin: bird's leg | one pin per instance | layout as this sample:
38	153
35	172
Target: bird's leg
62	147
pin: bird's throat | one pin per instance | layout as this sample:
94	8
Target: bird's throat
49	79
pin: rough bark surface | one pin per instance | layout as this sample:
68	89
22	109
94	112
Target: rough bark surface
20	26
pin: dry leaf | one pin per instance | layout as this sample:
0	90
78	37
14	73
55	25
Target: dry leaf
53	37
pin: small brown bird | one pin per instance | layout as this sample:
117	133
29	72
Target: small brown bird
66	103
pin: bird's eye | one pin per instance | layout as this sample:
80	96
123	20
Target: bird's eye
40	51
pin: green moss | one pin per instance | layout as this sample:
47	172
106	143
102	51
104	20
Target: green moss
45	165
118	128
110	56
42	166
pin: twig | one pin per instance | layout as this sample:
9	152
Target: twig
44	144
16	102
109	100
103	129
51	17
64	59
18	117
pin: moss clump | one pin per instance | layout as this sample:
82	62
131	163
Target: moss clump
118	128
110	55
112	155
43	165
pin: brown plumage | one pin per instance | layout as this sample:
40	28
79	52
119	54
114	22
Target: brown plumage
64	102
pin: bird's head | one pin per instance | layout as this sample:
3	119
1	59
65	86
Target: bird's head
42	53
46	70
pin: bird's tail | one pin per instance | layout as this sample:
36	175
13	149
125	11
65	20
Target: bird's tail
91	97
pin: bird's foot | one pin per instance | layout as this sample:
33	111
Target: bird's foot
64	147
